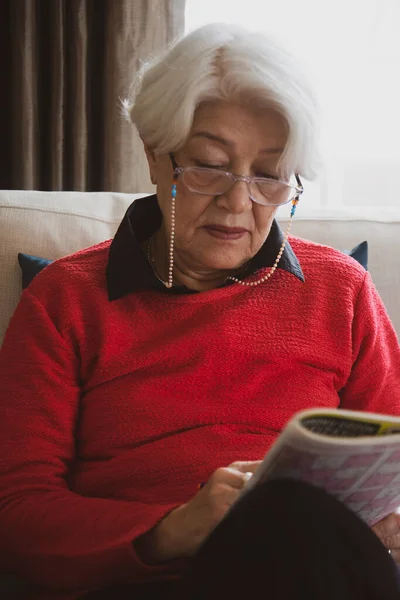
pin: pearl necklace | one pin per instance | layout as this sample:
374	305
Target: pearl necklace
273	268
150	258
169	283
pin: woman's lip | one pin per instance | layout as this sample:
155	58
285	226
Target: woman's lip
226	229
225	233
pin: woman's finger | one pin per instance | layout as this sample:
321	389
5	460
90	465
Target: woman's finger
392	542
246	466
236	478
247	476
388	527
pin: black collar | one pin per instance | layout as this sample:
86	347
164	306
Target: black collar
128	269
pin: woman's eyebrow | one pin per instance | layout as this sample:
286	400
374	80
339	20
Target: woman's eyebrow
271	150
214	138
230	144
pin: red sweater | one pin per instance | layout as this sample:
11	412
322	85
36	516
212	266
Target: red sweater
113	412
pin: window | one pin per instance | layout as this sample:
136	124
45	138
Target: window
351	50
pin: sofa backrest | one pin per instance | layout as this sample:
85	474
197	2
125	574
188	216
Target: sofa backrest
50	225
54	224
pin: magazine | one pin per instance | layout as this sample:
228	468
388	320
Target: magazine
353	455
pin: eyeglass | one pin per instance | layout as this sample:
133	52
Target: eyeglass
262	190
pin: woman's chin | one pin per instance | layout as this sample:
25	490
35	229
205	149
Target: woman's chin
221	265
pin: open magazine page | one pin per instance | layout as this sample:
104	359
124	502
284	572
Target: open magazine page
363	472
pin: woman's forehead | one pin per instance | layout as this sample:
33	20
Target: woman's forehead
227	126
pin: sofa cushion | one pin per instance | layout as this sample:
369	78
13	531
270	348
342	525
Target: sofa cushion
360	254
30	267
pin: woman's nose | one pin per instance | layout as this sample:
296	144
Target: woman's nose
236	199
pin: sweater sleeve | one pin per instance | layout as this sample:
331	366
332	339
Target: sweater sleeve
49	534
374	382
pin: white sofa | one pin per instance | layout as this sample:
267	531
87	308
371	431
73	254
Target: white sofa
54	224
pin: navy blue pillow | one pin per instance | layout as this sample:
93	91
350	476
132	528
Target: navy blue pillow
31	266
360	253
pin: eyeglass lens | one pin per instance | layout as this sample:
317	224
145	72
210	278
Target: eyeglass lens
211	181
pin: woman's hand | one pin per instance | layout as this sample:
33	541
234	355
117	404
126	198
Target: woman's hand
388	531
183	531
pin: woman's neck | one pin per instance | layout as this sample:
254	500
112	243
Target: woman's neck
194	279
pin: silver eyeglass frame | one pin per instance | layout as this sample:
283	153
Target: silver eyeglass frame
299	189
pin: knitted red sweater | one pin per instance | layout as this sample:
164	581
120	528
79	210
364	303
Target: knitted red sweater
113	412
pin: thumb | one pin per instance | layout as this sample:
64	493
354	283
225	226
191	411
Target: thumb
246	466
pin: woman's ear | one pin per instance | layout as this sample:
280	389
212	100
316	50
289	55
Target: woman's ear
151	160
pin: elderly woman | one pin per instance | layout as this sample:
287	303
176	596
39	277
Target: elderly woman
174	354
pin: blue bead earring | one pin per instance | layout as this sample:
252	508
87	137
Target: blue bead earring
294	206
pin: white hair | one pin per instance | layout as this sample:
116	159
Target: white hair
225	62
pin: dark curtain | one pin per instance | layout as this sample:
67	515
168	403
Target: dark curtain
65	65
